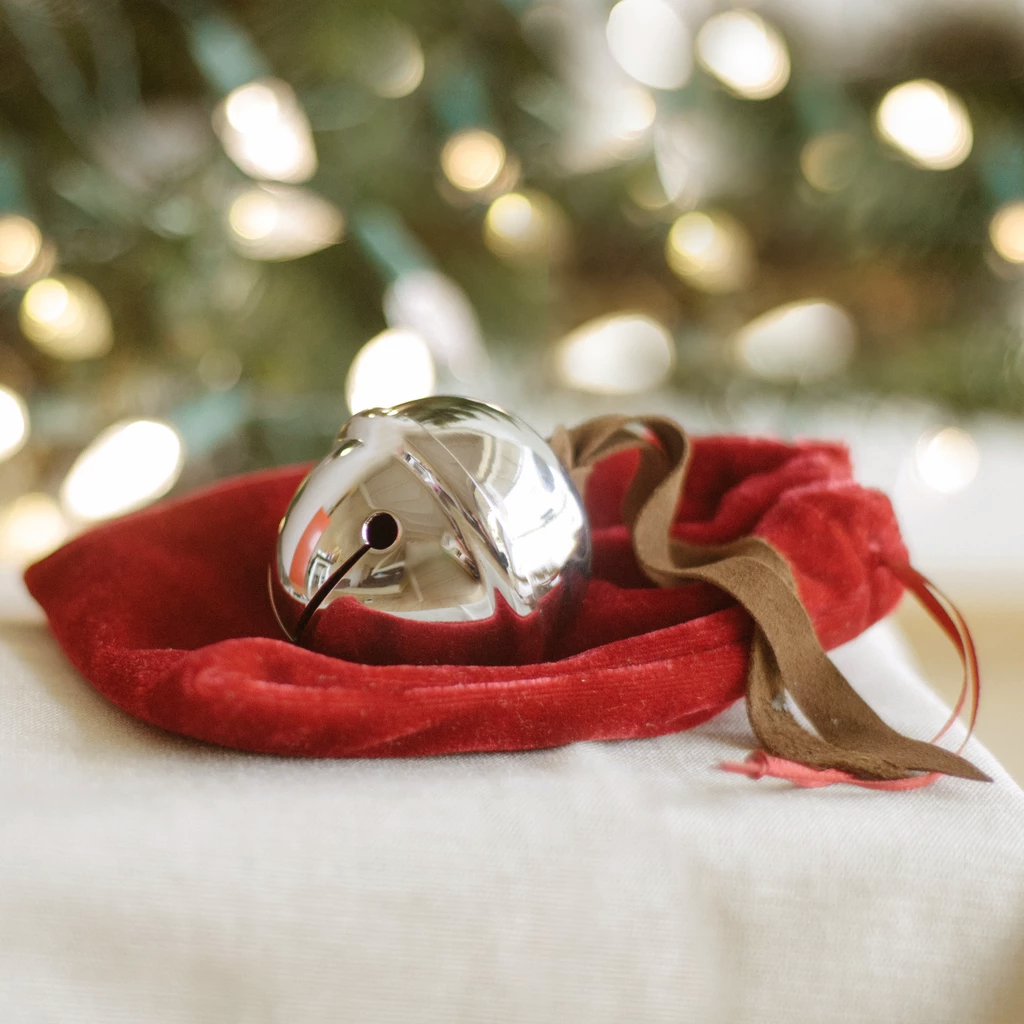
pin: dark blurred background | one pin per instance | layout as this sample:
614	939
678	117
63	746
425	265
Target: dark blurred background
226	224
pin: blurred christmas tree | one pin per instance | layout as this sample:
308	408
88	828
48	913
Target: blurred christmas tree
213	216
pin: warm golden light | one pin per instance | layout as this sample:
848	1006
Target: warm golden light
48	300
624	354
1007	231
66	318
20	245
249	107
126	467
282	222
265	131
947	460
710	251
801	341
13	423
746	54
829	162
394	367
522	224
650	42
473	159
30	528
253	215
632	113
927	123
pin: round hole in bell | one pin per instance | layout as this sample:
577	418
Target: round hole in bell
380	530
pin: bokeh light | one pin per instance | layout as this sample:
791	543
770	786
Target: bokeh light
282	222
265	131
30	528
473	159
20	244
622	354
609	126
66	318
630	113
947	460
746	54
126	467
710	251
394	367
435	307
697	159
389	58
927	123
253	215
650	42
13	423
801	341
524	224
1006	230
644	187
830	161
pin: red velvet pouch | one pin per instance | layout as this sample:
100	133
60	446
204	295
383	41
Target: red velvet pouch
166	613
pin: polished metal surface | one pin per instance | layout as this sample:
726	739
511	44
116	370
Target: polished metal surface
478	509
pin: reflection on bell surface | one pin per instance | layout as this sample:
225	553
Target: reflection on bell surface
436	510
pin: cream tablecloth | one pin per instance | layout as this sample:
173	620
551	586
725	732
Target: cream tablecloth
147	878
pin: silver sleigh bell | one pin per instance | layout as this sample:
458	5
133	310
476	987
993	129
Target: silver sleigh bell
435	510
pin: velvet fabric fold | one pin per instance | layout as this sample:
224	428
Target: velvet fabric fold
166	613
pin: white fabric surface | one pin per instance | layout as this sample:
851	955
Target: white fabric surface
147	878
